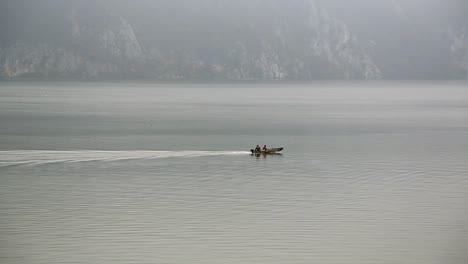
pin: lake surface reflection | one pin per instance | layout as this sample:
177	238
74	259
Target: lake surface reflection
144	173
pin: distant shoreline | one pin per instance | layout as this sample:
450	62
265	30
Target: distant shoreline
220	81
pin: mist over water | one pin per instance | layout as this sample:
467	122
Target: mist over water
144	173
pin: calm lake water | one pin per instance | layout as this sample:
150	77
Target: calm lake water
144	173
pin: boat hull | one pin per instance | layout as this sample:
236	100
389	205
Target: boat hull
268	151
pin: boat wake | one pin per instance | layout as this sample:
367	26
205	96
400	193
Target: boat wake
38	157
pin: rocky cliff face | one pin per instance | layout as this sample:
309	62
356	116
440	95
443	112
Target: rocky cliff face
95	50
459	50
214	39
334	42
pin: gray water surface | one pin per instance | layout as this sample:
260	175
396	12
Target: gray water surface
145	173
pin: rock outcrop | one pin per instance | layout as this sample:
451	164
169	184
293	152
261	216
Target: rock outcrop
459	50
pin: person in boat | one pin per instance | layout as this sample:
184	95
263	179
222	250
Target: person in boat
257	148
265	148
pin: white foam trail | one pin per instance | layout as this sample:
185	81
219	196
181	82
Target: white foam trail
37	157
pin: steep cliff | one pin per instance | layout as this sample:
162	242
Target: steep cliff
98	45
459	50
226	40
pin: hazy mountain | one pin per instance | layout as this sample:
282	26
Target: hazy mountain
234	40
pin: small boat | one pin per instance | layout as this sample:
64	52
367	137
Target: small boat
268	151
